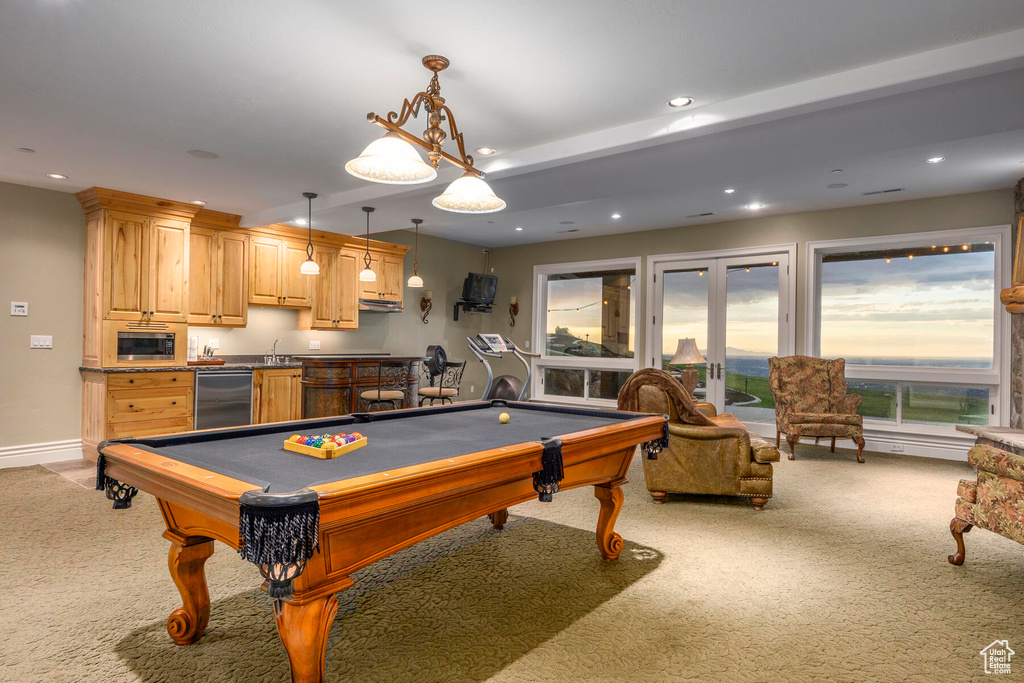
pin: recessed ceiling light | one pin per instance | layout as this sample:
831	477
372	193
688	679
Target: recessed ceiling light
518	229
680	101
57	176
616	216
935	160
198	202
26	150
755	206
486	151
729	190
201	154
836	186
299	221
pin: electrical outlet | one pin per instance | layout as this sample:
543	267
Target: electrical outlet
527	343
19	308
472	388
314	345
213	343
896	448
41	341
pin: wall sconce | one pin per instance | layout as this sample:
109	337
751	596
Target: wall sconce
513	311
426	305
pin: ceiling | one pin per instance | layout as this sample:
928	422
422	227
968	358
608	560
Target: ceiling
572	95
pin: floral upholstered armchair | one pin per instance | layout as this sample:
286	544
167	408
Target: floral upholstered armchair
811	400
994	502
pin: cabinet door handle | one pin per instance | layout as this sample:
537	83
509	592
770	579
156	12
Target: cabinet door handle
131	381
131	405
174	403
174	379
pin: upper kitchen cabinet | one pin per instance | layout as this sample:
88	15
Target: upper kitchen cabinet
334	299
389	285
218	277
137	256
274	277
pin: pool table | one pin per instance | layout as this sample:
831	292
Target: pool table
309	523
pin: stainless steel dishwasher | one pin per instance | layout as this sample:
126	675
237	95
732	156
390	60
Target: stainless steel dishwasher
223	398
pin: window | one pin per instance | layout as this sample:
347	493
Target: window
917	318
585	329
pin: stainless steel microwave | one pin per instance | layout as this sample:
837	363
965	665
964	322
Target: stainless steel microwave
145	346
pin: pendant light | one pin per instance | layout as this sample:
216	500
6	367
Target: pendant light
416	280
367	274
469	194
309	266
391	160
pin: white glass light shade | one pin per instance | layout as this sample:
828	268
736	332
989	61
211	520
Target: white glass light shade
687	353
309	267
391	160
415	281
367	275
469	194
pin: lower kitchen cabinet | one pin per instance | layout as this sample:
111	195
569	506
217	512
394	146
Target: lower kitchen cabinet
117	405
277	395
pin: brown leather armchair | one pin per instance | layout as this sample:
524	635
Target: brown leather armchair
811	400
994	502
725	459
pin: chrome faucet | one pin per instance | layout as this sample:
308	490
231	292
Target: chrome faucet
273	352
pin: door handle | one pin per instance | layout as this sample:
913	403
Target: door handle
719	366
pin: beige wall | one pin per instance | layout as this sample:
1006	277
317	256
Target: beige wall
41	262
514	266
443	267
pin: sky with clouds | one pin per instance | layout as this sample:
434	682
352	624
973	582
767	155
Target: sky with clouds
928	307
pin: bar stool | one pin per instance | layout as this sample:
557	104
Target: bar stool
392	381
448	389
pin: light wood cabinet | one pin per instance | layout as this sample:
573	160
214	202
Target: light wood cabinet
145	268
334	304
218	278
274	277
390	284
125	404
277	395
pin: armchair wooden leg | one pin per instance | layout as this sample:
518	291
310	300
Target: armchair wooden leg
833	448
958	528
791	439
758	502
658	496
859	440
778	438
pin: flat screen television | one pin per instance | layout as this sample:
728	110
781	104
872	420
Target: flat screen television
479	288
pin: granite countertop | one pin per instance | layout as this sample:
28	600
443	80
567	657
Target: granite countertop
251	362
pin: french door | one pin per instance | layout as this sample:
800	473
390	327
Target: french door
738	306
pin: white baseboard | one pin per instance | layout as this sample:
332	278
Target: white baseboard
942	446
39	453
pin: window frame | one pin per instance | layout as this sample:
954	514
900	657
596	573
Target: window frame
996	378
540	307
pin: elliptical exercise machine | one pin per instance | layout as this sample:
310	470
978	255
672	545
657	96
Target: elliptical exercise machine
506	387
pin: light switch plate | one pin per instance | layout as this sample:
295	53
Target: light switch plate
314	345
19	308
41	341
213	343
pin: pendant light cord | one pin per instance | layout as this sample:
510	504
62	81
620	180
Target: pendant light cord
366	257
309	224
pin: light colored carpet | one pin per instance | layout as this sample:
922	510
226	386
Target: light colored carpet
842	576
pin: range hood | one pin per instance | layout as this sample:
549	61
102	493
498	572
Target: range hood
382	305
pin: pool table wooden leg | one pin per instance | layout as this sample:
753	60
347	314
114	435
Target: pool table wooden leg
303	630
186	559
610	496
499	518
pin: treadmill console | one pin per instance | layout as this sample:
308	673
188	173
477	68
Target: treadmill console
493	343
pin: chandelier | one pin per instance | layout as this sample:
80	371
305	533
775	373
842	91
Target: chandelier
394	160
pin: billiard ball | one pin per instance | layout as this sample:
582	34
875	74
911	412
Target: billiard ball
503	418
